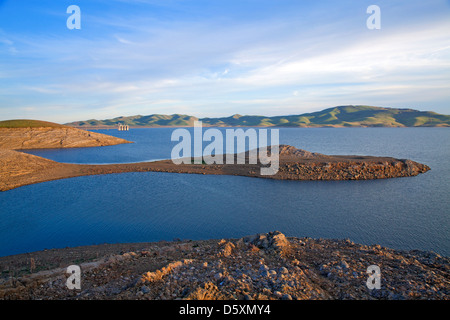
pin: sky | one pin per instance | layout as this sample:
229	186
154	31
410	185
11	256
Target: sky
214	58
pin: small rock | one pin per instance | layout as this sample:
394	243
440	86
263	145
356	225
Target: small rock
267	291
263	267
145	289
284	270
278	294
185	292
264	273
227	248
286	297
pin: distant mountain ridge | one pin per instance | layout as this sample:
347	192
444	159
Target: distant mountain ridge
342	116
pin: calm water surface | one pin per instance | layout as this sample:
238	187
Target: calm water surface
402	213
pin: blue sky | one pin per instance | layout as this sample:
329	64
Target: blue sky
220	57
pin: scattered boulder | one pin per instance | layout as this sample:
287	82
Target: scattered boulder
207	291
159	274
288	150
275	241
226	248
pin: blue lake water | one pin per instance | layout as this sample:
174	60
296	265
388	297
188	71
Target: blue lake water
402	213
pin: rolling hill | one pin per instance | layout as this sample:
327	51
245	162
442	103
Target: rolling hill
32	134
26	123
342	116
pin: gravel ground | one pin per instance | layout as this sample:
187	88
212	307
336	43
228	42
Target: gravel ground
259	267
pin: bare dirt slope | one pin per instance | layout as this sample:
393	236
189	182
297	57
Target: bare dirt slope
18	169
53	137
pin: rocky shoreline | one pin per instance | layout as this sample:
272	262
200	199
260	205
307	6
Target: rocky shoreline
259	267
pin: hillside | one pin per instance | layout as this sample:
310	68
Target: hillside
342	116
31	134
25	123
154	120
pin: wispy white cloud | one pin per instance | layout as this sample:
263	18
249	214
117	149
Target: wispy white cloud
145	64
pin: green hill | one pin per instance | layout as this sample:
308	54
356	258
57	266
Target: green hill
24	123
154	120
342	116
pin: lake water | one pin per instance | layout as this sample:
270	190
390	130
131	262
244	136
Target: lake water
401	213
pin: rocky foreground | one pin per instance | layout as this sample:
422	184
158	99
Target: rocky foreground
264	267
